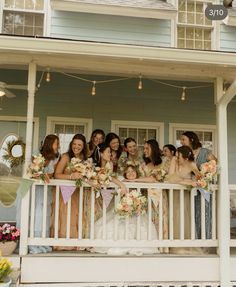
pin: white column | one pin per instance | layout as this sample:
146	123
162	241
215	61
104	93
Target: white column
222	101
30	113
28	150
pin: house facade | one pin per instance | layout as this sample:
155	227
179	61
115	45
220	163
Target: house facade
82	63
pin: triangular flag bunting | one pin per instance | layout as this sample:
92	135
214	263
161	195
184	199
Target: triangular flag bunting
155	195
24	186
67	192
107	196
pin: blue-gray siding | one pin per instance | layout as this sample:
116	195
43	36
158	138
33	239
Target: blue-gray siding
114	29
227	38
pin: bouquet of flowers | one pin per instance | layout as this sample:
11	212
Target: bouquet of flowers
84	168
160	174
9	233
207	175
132	203
36	168
102	177
5	268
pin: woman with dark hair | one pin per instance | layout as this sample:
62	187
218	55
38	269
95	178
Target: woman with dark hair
77	149
130	155
49	151
201	155
97	137
168	152
182	169
113	141
152	165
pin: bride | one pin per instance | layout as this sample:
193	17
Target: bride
130	173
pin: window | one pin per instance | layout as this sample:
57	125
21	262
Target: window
66	128
194	30
23	17
140	131
206	134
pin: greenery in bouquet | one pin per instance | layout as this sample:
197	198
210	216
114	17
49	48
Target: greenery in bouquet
207	175
5	268
9	233
132	203
102	177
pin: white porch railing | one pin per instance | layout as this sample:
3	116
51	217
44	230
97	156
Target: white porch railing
28	219
232	189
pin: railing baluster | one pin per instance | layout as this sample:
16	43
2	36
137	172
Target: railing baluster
203	216
68	219
104	220
149	217
92	214
214	214
192	215
161	216
171	218
56	220
127	228
80	219
116	218
45	200
32	212
182	214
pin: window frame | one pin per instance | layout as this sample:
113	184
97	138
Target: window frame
211	27
46	21
173	127
116	124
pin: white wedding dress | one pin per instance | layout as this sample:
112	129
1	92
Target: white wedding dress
121	234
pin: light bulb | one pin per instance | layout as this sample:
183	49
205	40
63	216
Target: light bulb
48	76
183	96
93	93
140	83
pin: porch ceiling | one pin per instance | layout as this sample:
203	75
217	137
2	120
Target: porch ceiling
114	59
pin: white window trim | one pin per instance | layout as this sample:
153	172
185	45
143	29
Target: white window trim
66	120
46	11
115	124
192	127
24	119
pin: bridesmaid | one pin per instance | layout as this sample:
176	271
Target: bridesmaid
113	141
130	153
201	155
168	153
49	151
97	137
153	162
78	149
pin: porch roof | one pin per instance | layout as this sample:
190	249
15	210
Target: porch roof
116	59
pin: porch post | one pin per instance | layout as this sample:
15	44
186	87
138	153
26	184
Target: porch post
224	193
28	150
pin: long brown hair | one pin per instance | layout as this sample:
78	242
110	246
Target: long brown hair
46	149
84	150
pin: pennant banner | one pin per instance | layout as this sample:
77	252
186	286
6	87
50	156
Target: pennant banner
67	192
155	195
206	194
107	196
25	185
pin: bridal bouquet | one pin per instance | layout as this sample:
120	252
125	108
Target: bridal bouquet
132	203
36	168
84	168
102	177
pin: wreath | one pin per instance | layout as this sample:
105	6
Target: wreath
10	155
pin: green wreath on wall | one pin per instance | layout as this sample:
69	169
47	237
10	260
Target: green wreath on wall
14	152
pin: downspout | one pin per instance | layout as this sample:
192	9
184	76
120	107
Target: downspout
222	102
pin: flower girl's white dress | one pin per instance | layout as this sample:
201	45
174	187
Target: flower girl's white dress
111	219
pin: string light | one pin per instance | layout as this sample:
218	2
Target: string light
140	83
93	93
48	76
183	96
